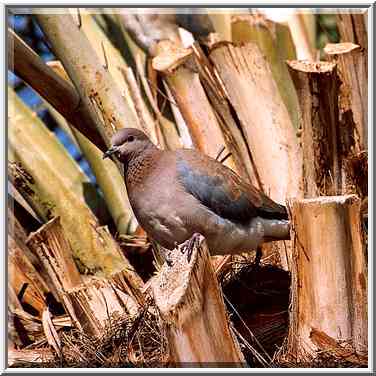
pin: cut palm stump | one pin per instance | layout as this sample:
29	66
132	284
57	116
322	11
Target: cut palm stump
94	303
189	299
255	97
317	86
352	66
227	119
329	139
352	28
329	278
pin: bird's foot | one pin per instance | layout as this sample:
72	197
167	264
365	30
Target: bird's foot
189	246
189	255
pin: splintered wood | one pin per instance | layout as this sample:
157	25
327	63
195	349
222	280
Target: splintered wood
94	303
352	66
24	279
329	275
330	151
190	301
55	253
317	86
26	357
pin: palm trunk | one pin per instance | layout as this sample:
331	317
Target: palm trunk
275	42
91	305
59	93
263	118
94	83
190	301
329	276
352	67
188	93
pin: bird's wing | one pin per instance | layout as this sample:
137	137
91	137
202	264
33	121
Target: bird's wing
222	191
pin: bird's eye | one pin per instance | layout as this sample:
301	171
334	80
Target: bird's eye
130	139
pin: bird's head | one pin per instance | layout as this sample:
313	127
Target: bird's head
126	143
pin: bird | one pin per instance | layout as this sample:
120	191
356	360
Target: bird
176	194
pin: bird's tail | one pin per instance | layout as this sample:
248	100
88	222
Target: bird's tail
276	229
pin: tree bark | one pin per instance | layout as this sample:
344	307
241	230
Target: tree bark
190	301
329	276
353	28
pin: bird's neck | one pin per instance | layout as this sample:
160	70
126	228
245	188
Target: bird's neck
139	165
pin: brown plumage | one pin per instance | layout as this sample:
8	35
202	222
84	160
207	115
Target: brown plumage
175	194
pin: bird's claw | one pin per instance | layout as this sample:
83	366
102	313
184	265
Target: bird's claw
190	245
189	255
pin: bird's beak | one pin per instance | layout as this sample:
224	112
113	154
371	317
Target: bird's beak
110	151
